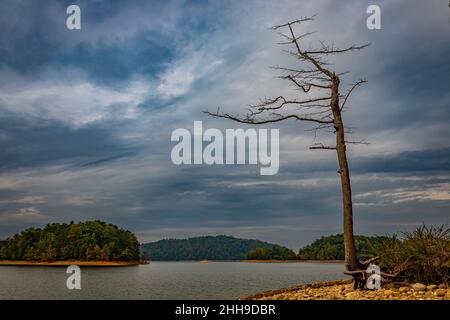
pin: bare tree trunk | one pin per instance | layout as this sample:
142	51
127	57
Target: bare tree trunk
351	261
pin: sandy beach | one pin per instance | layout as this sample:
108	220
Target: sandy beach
68	263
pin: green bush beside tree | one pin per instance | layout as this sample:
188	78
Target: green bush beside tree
423	255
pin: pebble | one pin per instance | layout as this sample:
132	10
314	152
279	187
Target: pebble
419	287
440	292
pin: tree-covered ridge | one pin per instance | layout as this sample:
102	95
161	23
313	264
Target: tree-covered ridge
202	248
274	253
90	240
332	247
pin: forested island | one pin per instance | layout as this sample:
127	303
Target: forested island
90	241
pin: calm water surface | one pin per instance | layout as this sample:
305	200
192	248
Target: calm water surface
163	280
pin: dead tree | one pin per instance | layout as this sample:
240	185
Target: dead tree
323	107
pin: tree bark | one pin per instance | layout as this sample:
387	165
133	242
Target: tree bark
351	261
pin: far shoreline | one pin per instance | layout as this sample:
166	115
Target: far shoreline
293	261
66	263
81	263
253	261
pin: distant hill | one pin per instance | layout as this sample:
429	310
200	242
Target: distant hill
332	247
203	248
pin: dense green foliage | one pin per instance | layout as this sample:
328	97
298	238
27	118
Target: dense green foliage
202	248
90	240
274	253
422	256
332	247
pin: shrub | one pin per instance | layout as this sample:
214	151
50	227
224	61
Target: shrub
422	256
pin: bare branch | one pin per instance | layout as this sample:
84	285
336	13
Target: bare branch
304	88
383	274
304	85
326	50
321	146
269	104
307	57
369	261
358	142
357	84
291	40
296	71
250	120
294	22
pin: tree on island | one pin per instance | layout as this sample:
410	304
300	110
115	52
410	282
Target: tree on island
325	111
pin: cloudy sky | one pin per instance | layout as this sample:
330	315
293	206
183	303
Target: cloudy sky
86	117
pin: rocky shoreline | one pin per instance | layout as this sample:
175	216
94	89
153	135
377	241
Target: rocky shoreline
343	290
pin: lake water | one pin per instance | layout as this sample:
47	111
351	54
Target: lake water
163	280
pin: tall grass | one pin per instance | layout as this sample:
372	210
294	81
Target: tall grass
422	256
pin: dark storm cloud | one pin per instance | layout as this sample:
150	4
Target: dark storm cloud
117	41
34	142
410	161
419	161
86	118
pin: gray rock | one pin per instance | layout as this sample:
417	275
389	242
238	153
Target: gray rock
419	287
